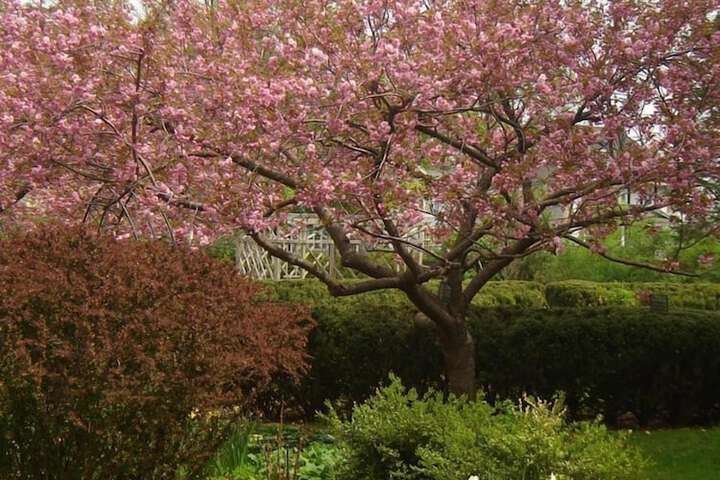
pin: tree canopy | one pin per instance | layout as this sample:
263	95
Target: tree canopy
506	126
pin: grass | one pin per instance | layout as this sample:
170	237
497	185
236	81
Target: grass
681	454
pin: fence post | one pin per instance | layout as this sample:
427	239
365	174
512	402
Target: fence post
275	267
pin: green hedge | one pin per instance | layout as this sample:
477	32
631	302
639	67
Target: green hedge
608	360
507	293
357	342
660	366
512	293
704	296
580	293
526	294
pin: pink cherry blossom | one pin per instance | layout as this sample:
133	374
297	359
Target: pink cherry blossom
501	127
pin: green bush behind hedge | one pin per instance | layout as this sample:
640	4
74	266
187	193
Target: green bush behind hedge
581	293
528	294
608	360
506	293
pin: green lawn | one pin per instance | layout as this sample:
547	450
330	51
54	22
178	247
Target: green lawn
681	454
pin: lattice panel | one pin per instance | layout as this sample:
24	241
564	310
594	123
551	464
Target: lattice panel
253	261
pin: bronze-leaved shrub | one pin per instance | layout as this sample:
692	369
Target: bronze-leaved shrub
119	359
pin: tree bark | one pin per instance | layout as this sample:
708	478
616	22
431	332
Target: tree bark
459	354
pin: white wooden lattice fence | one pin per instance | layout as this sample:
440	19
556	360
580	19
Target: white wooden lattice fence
253	261
310	243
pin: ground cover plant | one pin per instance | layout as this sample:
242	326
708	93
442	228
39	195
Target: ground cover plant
501	129
276	452
126	360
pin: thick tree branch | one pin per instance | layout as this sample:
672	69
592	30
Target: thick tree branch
430	305
336	288
288	257
349	257
181	202
279	206
252	166
264	171
473	152
492	268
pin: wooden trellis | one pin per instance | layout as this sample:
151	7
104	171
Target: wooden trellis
311	244
253	261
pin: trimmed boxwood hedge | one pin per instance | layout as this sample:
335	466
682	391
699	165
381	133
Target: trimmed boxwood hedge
704	296
357	342
663	367
608	360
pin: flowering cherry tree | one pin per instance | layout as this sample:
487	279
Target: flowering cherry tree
521	123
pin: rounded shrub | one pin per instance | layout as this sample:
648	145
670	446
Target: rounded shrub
400	434
120	358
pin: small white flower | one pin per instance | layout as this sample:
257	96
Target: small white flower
553	477
473	477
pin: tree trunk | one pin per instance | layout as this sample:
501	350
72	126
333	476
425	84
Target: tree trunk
459	354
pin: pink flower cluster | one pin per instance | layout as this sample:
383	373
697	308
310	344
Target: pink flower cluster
524	120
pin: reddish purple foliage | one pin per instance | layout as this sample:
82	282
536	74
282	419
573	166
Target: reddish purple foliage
108	346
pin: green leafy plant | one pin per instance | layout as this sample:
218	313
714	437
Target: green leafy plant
235	460
398	434
280	454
